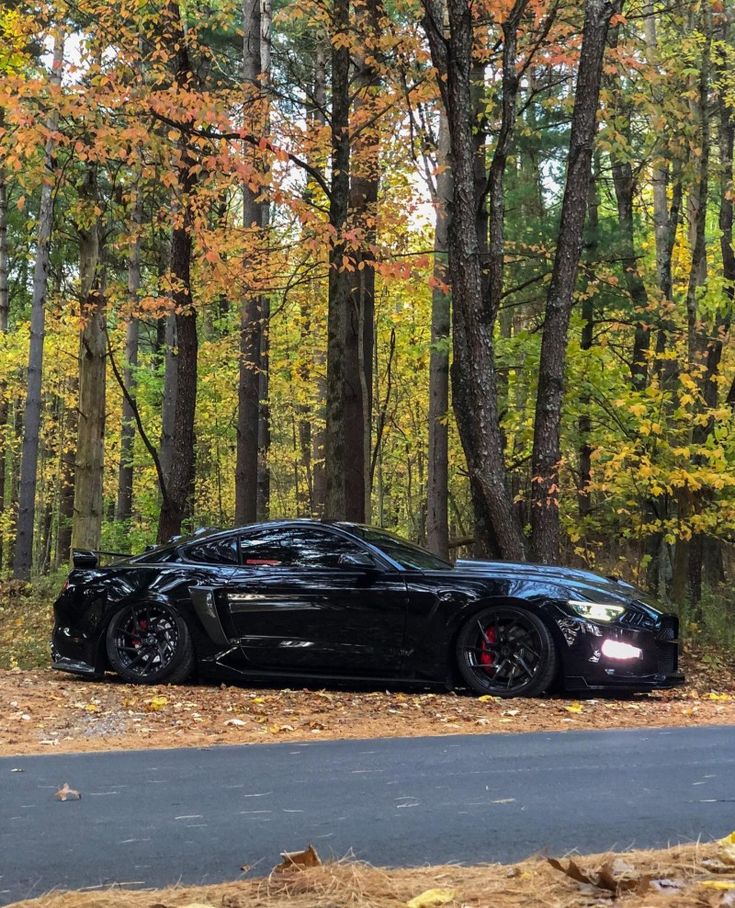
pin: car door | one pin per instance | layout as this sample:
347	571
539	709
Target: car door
313	600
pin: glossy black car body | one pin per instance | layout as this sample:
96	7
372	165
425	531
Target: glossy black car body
312	599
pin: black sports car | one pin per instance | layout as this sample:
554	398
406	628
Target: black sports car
310	599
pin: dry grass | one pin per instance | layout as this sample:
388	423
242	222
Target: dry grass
676	881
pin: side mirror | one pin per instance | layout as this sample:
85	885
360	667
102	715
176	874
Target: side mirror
357	560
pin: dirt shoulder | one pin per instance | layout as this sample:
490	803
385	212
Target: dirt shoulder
677	878
48	712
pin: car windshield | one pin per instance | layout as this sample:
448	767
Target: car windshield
405	553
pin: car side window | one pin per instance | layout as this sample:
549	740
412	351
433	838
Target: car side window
295	547
215	551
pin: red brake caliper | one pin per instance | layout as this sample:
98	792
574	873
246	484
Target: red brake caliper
143	625
486	657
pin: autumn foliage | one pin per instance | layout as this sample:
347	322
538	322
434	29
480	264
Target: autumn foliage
243	214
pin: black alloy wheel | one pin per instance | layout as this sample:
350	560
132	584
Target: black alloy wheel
507	652
149	643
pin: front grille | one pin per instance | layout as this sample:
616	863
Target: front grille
636	619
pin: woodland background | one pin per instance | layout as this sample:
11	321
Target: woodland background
463	270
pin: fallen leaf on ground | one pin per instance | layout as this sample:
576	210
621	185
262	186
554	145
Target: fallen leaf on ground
235	722
298	860
67	794
431	898
613	876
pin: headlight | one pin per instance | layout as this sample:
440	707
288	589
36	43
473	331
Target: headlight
596	611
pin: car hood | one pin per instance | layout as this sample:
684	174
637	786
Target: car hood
576	582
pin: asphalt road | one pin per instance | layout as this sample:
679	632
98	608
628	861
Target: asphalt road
150	818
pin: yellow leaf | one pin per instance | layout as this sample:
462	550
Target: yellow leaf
92	708
259	700
432	897
486	698
717	884
155	704
575	707
728	840
724	698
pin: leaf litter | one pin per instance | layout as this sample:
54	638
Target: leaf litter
47	711
675	877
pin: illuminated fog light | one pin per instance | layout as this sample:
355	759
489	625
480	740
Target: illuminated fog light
614	649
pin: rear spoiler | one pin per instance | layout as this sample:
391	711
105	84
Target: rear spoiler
88	560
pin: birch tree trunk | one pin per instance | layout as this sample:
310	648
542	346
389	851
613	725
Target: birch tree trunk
23	558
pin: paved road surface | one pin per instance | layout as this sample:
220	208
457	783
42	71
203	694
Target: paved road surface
150	818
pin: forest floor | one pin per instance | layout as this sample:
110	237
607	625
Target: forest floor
679	877
45	711
49	712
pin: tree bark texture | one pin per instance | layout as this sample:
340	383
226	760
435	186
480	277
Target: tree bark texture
89	461
437	510
359	338
584	424
546	457
474	380
23	557
688	554
4	311
341	503
253	309
624	183
170	386
178	502
124	508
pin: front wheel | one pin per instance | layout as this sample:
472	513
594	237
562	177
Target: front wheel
150	643
507	652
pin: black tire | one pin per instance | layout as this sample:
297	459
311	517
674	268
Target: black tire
506	651
150	643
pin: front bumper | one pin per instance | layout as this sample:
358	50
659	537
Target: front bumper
626	681
586	667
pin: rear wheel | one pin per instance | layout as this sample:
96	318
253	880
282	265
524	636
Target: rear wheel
507	652
149	643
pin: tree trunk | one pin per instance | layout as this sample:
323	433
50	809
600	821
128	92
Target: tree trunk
689	553
624	184
364	185
23	558
588	328
546	457
178	502
437	510
69	427
342	501
170	388
253	309
474	381
124	507
4	312
89	463
318	432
